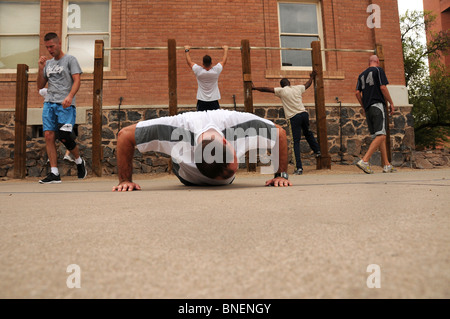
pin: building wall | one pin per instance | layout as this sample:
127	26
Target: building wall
440	8
140	77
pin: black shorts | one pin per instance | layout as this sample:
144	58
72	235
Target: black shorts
376	119
207	106
176	168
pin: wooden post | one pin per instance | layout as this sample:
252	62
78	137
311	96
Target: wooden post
20	167
324	161
380	54
248	94
247	75
97	150
173	97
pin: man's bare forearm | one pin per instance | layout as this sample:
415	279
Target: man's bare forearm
41	82
126	144
283	150
264	89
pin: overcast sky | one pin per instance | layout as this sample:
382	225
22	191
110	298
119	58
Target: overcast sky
404	5
411	5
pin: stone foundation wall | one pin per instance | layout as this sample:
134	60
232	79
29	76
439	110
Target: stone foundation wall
348	140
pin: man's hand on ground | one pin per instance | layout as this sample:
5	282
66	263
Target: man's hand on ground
126	187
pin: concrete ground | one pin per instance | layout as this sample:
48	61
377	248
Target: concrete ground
327	236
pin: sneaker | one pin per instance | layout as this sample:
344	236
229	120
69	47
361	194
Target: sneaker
51	179
318	154
69	158
389	169
299	171
82	172
365	167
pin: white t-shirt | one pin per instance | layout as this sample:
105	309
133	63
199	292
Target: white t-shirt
208	86
177	137
291	97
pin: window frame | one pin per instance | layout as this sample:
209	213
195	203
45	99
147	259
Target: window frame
66	34
34	34
319	35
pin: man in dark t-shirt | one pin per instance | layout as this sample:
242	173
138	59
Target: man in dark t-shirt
372	94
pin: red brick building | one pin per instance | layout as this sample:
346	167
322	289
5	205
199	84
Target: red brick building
440	8
141	76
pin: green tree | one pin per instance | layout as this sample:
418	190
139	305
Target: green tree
428	81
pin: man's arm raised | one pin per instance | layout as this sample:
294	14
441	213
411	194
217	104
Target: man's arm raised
311	78
188	56
263	89
225	55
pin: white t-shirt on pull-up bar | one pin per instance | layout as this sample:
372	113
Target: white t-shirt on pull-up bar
208	86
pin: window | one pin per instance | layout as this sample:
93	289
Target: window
86	21
19	34
300	24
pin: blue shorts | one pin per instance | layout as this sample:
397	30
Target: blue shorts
55	116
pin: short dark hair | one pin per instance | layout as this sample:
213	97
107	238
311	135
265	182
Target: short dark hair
207	61
284	82
50	36
215	169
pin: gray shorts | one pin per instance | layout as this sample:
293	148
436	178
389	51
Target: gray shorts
376	122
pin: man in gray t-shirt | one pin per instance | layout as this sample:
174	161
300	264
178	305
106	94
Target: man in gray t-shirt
59	74
62	73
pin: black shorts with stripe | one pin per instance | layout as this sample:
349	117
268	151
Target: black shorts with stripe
376	119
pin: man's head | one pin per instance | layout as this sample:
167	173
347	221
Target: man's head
374	61
218	158
207	61
53	44
284	82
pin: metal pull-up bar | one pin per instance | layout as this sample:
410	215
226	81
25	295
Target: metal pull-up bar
236	48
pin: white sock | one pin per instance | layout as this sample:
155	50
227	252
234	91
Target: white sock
78	160
55	170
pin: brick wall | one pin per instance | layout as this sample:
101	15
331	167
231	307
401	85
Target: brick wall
141	76
441	9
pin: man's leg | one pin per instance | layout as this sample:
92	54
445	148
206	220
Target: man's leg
49	128
51	148
384	153
66	118
53	176
296	137
308	134
75	152
376	143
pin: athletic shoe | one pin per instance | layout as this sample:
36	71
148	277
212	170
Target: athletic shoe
365	167
82	172
69	158
389	169
299	171
51	179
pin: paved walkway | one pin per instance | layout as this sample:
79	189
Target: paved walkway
313	240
